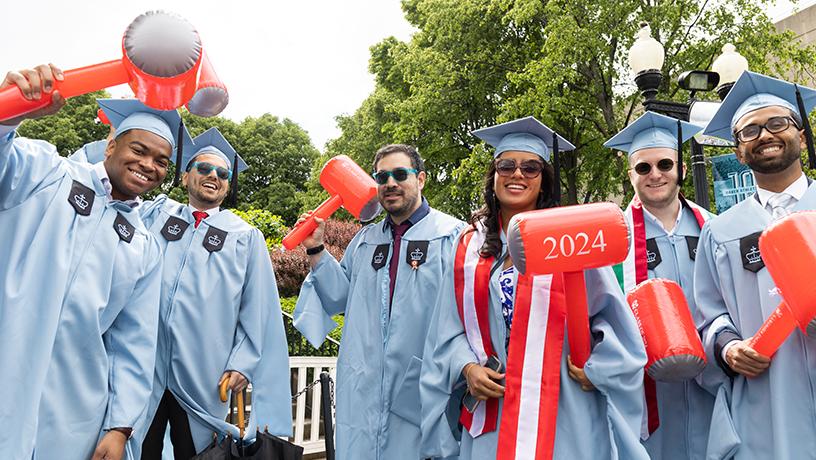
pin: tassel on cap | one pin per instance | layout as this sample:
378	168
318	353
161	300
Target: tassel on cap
557	170
806	126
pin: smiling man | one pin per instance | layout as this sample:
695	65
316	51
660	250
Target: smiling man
220	316
386	286
665	228
763	409
80	281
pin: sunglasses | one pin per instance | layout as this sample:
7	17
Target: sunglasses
774	125
399	175
664	165
529	168
205	169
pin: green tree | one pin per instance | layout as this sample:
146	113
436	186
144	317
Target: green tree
279	152
473	63
70	128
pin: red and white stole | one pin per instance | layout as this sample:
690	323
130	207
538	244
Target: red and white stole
635	271
530	406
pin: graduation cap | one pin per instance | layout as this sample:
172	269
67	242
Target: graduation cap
528	135
127	114
212	142
653	130
754	91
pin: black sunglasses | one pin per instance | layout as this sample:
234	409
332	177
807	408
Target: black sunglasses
774	125
529	168
399	175
644	168
205	169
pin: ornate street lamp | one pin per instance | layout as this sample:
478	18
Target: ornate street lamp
730	65
646	58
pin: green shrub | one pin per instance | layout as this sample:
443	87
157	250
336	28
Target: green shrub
269	224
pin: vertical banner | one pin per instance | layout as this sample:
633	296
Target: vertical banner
733	181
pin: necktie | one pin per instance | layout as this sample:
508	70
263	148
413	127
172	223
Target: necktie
779	205
398	231
199	216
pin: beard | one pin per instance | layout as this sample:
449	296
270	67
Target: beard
207	200
763	165
400	210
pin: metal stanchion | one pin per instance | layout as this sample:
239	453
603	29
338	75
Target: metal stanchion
326	404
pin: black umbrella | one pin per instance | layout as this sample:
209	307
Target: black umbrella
265	446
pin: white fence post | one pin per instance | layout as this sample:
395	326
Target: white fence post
310	439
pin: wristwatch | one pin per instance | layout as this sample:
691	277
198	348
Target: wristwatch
315	250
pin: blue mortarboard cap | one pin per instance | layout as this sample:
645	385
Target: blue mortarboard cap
128	114
213	142
524	135
754	91
649	131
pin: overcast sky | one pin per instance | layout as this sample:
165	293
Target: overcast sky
306	60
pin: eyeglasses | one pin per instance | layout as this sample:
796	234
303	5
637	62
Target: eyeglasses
664	165
773	125
205	169
399	175
529	168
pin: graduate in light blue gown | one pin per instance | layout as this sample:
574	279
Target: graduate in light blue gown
220	315
764	409
598	407
387	301
677	418
80	285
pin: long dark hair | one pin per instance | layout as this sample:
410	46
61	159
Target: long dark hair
488	214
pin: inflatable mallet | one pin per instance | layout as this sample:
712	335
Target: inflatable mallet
160	62
349	187
570	239
211	96
789	252
673	347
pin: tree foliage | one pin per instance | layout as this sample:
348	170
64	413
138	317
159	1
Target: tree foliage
473	63
279	153
70	128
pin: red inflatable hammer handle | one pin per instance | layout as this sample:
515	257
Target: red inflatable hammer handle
305	228
76	82
773	331
577	318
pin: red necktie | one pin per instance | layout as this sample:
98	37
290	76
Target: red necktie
199	216
398	231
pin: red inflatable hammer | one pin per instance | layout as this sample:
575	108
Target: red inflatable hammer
673	348
789	252
570	239
349	187
161	58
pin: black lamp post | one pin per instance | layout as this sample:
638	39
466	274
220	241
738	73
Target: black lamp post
646	58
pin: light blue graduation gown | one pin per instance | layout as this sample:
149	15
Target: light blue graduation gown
92	152
219	311
684	408
601	424
774	414
380	357
78	309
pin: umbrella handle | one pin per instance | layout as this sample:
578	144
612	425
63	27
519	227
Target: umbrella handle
223	390
241	420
